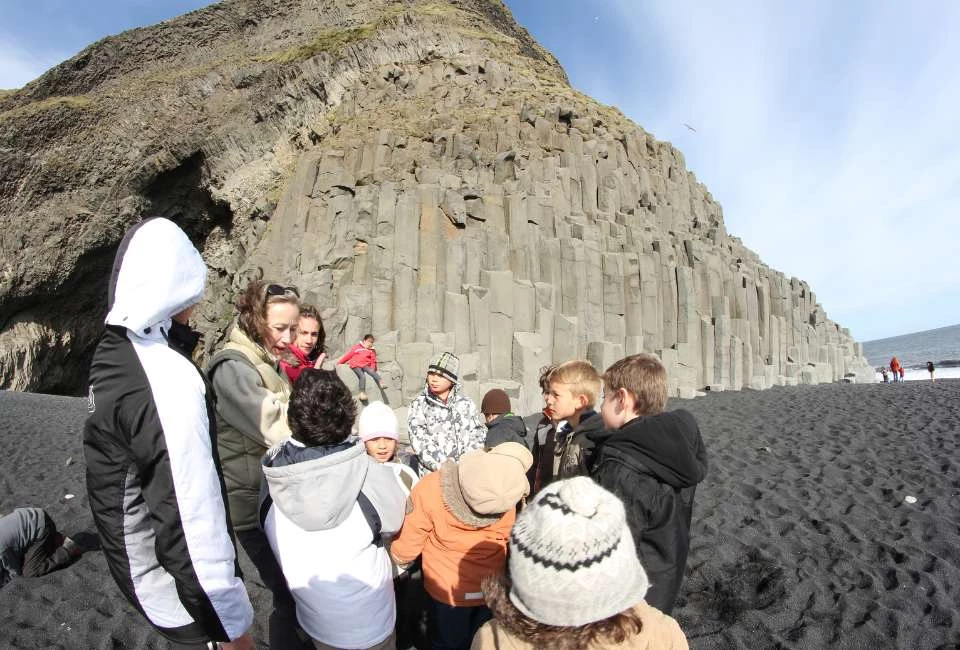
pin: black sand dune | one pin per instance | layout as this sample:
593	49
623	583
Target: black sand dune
802	536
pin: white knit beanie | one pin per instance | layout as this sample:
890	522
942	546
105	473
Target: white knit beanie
377	420
572	558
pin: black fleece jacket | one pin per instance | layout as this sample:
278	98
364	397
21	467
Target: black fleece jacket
654	464
507	428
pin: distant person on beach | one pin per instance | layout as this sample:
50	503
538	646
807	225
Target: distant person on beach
326	512
573	579
252	397
895	369
443	422
653	460
930	369
31	546
902	373
574	389
308	349
362	359
884	374
156	494
502	425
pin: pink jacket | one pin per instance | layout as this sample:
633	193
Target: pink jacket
360	357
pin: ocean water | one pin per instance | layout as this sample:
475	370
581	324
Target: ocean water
942	346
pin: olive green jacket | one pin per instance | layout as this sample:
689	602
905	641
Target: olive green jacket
252	396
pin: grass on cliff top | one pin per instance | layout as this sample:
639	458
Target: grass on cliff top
443	10
74	102
334	40
436	9
328	40
494	37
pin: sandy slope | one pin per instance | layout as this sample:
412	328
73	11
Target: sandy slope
801	539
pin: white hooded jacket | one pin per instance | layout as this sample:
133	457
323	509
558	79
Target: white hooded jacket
153	479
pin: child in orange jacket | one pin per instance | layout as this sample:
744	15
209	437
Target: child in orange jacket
460	523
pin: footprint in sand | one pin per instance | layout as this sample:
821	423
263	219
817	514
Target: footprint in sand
820	527
890	581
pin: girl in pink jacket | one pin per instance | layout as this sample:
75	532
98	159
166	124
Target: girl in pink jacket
362	359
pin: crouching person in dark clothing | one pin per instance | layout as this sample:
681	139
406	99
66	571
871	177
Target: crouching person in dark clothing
502	424
30	545
653	460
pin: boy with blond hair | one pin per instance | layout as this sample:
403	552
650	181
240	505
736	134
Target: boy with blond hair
653	460
574	388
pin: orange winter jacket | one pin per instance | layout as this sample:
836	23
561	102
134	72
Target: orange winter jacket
456	555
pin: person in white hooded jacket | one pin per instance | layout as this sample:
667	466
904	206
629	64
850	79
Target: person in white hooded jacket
153	473
325	508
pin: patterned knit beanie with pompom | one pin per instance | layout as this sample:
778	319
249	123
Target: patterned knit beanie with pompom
572	557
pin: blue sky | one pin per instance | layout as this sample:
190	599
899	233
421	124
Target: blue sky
829	132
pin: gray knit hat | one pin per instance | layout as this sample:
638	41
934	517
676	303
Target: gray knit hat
446	365
572	558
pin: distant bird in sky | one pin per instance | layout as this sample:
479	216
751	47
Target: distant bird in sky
689	127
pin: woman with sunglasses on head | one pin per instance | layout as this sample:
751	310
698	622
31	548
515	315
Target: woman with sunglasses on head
252	395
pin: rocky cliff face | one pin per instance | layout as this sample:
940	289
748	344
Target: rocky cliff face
422	170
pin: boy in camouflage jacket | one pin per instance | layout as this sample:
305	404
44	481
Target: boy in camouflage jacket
442	422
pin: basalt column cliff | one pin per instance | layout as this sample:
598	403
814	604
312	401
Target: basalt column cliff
422	170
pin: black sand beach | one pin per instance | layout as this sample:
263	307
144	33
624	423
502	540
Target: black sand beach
802	537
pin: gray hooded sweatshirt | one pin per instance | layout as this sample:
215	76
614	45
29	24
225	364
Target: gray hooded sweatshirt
340	577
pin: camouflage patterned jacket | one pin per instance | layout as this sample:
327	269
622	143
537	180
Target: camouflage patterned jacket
439	431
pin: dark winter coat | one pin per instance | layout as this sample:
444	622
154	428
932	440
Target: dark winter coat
507	428
654	464
541	472
575	449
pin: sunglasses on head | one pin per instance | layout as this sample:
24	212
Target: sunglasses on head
277	290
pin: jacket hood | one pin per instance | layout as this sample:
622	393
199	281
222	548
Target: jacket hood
157	273
668	445
315	487
506	428
509	422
